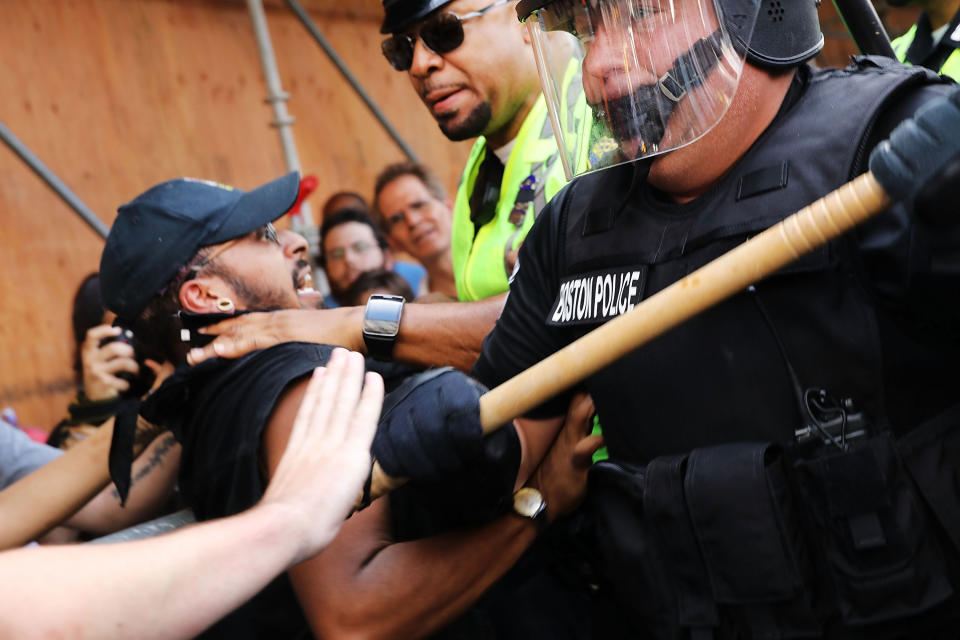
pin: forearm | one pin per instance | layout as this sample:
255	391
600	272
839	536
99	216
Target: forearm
152	479
446	334
443	334
411	589
49	495
172	586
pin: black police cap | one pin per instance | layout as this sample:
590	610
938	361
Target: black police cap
400	14
159	231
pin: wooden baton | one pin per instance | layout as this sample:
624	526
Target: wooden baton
51	494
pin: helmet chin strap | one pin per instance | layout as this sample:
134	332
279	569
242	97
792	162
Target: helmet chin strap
643	114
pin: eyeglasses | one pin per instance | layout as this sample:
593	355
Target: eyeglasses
269	233
441	33
339	253
190	270
265	233
402	216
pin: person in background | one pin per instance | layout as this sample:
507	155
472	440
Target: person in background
380	281
934	41
351	245
104	367
414	212
344	200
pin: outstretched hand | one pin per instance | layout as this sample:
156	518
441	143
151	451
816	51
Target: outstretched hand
249	332
327	458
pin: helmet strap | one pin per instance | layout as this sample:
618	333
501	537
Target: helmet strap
644	113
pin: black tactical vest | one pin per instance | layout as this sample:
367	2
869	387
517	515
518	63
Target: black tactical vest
739	371
704	526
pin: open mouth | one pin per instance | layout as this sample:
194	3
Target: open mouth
303	276
309	297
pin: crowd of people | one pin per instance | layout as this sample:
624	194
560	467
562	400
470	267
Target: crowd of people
782	464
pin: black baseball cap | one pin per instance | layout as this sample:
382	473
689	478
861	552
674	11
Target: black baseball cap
160	230
400	14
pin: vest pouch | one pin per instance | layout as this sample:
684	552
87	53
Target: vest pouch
627	559
880	552
931	453
746	523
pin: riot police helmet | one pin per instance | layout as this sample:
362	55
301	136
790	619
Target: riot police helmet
657	75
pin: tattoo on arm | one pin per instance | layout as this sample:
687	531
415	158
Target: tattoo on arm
156	458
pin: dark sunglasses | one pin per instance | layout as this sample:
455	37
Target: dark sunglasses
441	33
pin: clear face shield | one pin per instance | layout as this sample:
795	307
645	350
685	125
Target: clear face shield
656	74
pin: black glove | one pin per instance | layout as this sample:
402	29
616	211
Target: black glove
919	164
430	432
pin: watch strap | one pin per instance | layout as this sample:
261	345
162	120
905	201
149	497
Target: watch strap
379	347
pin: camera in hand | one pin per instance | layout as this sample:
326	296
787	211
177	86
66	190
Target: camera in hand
143	380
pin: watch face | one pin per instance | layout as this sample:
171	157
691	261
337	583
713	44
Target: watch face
528	502
382	317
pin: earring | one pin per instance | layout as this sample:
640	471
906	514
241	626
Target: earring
225	305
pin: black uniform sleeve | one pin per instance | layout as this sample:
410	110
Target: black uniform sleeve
913	263
521	337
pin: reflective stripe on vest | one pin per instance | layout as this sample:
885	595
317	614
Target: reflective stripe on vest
951	67
479	261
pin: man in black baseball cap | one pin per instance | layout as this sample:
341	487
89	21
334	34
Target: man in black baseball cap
198	245
188	252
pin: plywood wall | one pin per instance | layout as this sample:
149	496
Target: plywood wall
116	95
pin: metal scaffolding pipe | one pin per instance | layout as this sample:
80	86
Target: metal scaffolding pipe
277	98
349	77
53	181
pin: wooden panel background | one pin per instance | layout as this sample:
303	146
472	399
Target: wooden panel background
116	95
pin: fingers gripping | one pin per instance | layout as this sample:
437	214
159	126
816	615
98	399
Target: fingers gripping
921	158
430	433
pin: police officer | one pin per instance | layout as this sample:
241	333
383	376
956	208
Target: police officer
774	460
470	63
935	39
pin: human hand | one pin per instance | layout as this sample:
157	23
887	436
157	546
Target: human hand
562	475
76	434
252	331
327	458
161	371
431	428
101	364
920	161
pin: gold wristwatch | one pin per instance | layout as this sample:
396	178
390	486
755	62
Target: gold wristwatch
529	503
